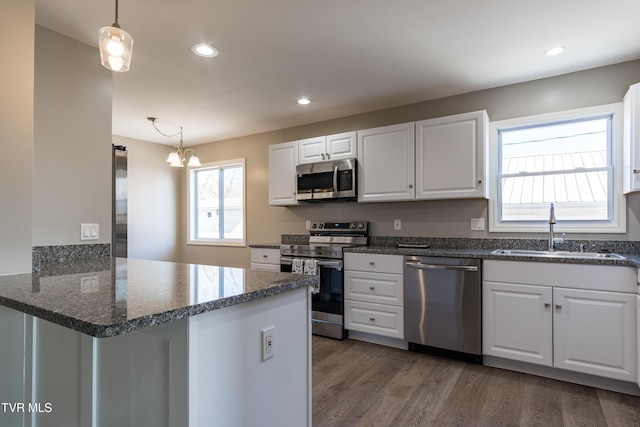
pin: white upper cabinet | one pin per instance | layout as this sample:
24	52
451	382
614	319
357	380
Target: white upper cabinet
324	148
386	163
283	159
342	146
312	150
631	153
450	157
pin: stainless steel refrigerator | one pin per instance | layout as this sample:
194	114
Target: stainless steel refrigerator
119	203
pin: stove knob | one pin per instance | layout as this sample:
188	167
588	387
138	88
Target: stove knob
314	225
353	226
361	226
321	225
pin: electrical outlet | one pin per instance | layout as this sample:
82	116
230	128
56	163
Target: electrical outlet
268	342
397	224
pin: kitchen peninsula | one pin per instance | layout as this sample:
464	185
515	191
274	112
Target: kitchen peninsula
118	341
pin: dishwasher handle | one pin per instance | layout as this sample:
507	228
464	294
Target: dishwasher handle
419	265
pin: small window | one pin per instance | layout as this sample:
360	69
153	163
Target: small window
571	159
217	203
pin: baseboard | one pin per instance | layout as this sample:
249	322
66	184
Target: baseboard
379	339
563	375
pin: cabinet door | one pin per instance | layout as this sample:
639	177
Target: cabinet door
517	322
312	150
638	338
595	332
386	163
283	159
451	155
342	146
631	134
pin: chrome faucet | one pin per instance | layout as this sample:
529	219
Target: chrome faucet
553	240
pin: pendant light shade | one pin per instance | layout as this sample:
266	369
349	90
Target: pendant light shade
115	46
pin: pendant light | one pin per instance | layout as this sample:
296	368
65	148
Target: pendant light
179	155
116	46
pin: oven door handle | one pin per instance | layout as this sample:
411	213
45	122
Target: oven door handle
330	264
335	179
335	264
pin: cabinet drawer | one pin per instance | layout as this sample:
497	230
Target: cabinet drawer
380	288
374	262
379	319
265	267
265	256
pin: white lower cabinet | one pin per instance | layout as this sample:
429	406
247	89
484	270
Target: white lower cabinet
378	319
517	322
549	320
595	332
265	259
374	294
638	333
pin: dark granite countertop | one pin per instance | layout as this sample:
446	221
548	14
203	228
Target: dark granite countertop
265	245
631	260
111	296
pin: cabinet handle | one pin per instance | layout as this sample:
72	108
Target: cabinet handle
372	288
410	185
371	263
322	154
479	181
328	156
558	306
636	171
373	319
547	305
264	256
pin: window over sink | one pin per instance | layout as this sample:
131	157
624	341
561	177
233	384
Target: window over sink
572	159
217	203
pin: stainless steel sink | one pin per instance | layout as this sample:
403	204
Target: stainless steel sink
557	254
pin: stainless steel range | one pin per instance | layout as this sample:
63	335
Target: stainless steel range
326	243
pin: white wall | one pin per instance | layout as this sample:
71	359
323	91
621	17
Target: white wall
153	189
16	134
72	151
450	218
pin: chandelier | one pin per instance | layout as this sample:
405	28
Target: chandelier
179	156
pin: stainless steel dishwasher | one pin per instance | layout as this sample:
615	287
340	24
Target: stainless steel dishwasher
443	306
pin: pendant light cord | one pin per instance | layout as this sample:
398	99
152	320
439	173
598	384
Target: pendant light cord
115	24
153	122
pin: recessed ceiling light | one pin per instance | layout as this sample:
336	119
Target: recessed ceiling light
203	49
555	51
304	101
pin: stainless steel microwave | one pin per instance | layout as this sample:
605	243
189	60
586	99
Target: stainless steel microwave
326	181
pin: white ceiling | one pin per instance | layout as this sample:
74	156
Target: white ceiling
347	56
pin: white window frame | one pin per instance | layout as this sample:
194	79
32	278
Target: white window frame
618	222
190	194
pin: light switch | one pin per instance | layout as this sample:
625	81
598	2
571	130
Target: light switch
477	224
89	231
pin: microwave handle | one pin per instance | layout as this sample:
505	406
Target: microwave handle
335	179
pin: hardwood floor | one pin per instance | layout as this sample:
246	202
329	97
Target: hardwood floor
361	384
